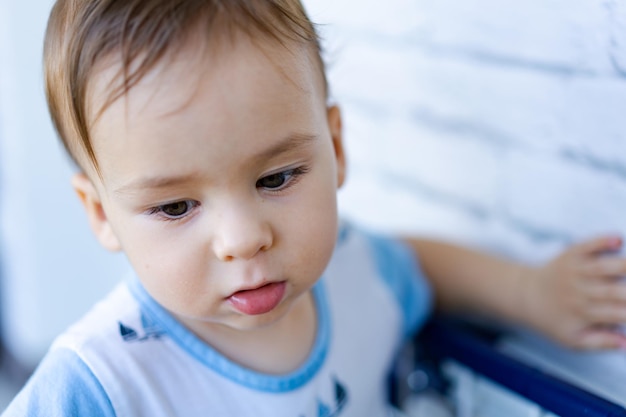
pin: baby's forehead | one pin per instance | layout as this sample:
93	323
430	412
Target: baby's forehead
227	80
181	69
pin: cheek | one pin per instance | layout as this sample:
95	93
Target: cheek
174	275
165	262
161	257
314	230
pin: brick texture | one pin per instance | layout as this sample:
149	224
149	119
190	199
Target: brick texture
501	124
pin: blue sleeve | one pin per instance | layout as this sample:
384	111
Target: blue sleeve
62	386
399	268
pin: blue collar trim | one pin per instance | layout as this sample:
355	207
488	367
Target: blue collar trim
208	356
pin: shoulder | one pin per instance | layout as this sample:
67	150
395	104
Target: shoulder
67	381
62	385
94	364
391	258
393	263
104	323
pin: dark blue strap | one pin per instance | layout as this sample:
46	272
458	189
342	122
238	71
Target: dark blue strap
443	338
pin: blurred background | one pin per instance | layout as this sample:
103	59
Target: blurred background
497	124
51	267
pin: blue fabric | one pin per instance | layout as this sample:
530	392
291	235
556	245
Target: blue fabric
65	387
399	267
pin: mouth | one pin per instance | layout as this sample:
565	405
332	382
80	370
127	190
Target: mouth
258	300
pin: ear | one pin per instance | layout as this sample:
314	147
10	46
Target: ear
334	124
95	212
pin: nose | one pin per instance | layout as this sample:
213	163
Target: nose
241	233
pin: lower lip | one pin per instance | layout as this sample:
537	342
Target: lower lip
260	300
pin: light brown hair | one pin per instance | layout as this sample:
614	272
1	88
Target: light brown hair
82	33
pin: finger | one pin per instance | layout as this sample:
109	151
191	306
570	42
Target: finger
604	267
600	339
599	245
601	292
606	314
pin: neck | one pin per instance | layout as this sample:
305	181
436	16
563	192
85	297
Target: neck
276	349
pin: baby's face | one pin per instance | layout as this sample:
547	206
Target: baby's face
219	175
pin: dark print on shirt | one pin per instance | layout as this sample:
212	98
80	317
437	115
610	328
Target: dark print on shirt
340	401
150	330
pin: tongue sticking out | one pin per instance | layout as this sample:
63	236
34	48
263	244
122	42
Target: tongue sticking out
260	300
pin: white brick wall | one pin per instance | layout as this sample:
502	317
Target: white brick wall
497	123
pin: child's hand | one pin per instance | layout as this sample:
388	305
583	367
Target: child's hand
579	298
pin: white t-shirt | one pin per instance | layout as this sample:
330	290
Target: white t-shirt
129	357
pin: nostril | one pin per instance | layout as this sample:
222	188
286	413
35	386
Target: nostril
241	240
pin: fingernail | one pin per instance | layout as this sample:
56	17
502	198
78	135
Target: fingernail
615	242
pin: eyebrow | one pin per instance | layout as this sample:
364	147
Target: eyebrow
289	144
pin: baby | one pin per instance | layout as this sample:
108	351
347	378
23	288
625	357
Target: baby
209	155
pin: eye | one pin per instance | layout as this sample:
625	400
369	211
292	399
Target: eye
174	211
281	180
272	181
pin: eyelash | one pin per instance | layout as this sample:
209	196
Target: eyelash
159	211
293	175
